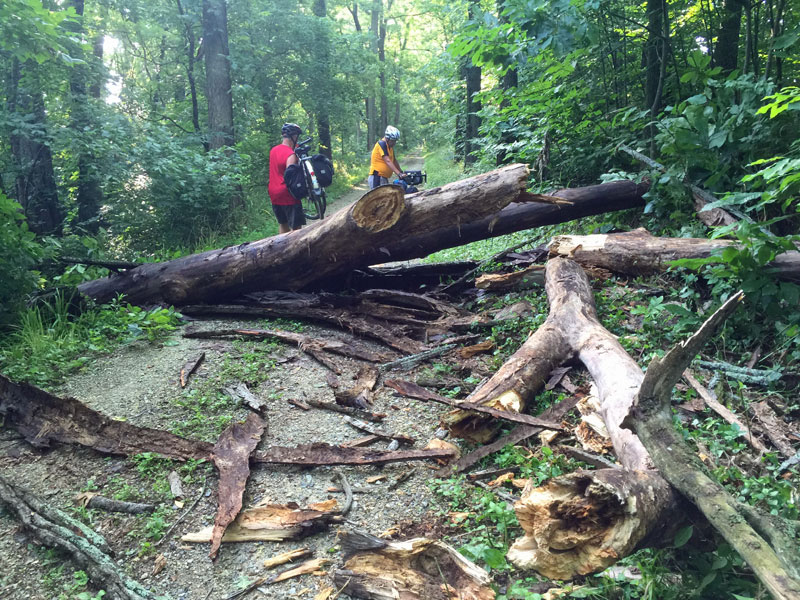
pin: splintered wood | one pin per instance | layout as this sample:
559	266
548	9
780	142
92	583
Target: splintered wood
417	569
272	523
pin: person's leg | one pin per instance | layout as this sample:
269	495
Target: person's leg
374	181
296	217
280	215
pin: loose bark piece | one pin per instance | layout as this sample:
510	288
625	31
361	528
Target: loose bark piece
469	351
777	568
356	236
388	435
361	395
491	473
518	434
90	500
242	392
54	528
555	377
412	390
190	367
269	523
346	410
291	555
362	441
639	253
532	276
409	362
416	569
175	487
324	454
299	404
231	456
587	457
43	418
296	339
346	320
724	412
585	521
776	429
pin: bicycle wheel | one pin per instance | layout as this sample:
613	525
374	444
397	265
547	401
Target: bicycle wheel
314	205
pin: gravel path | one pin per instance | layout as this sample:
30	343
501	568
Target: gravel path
139	383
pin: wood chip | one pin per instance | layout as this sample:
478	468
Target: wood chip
311	566
291	555
375	478
190	367
159	564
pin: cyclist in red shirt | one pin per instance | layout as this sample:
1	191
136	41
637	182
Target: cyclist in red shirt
288	211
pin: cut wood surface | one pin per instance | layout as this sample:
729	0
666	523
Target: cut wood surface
356	236
231	456
640	253
42	418
416	569
528	277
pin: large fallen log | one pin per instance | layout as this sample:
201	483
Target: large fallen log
638	252
356	236
591	501
319	255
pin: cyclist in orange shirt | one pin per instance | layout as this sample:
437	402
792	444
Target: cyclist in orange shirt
383	163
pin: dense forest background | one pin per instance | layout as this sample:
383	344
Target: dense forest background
140	131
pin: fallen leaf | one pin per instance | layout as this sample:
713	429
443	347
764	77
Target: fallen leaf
324	506
457	517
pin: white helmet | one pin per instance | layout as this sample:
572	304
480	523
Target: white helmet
392	133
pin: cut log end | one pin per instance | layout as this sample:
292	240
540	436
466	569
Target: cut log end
584	522
379	209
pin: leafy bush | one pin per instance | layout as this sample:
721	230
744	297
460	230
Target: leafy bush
19	253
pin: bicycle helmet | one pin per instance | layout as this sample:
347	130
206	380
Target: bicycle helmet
392	133
290	129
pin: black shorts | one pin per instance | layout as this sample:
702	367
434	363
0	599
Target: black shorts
289	214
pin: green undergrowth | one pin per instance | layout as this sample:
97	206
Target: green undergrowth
206	408
50	342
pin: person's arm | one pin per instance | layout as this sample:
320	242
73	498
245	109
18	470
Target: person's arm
393	165
291	160
399	170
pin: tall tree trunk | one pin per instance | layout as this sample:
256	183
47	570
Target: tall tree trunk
191	44
373	132
322	55
726	53
218	74
384	122
508	85
90	195
654	54
472	78
35	182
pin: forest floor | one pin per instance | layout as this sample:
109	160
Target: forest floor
140	383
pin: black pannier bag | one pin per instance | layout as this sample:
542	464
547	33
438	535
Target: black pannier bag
295	181
323	169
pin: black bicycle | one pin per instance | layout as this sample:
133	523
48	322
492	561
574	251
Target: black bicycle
314	202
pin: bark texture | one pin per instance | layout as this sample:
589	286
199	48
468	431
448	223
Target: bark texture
639	253
356	236
218	73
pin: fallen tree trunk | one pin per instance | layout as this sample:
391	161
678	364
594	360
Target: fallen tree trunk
639	253
771	553
320	254
55	528
356	236
572	329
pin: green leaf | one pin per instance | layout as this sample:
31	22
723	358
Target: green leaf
683	536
